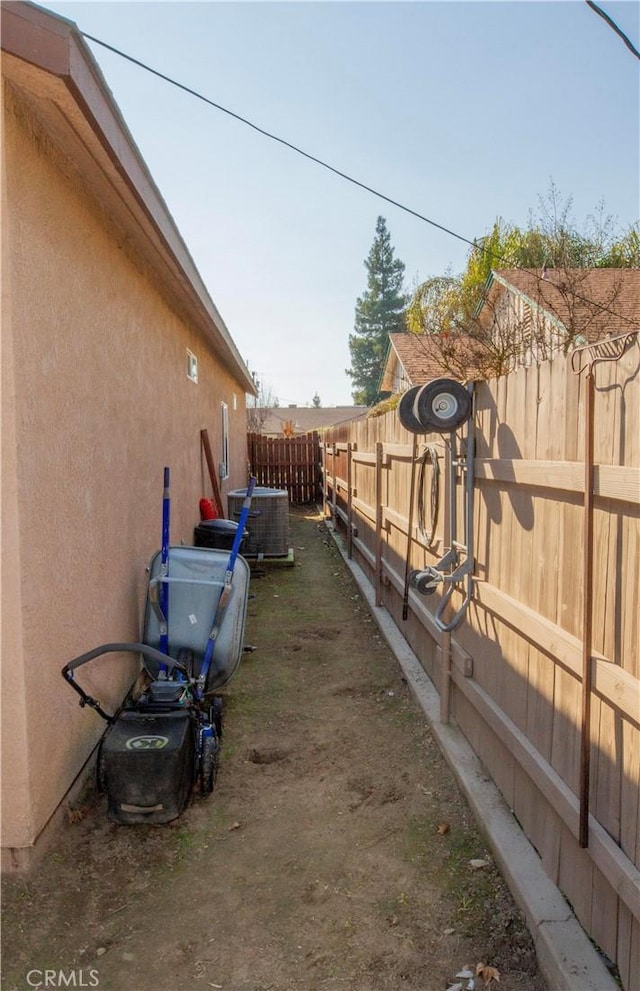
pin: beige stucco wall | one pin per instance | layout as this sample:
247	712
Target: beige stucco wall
95	401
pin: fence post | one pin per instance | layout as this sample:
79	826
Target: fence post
334	490
324	447
316	475
378	575
349	501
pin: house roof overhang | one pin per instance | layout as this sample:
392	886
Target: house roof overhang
385	381
413	354
45	58
602	300
497	283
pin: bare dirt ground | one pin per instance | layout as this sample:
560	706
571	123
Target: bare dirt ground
334	853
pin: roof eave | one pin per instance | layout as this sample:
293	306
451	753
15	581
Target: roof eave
54	46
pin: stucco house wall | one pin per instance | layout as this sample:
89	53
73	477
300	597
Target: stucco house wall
95	402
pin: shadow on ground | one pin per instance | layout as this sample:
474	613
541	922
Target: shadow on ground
334	853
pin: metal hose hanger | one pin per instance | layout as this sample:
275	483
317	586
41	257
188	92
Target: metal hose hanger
442	406
429	456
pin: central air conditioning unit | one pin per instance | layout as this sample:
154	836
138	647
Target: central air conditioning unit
268	522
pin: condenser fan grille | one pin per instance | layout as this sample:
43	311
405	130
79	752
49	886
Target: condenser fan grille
268	523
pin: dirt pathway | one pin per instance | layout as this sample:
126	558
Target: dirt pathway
334	854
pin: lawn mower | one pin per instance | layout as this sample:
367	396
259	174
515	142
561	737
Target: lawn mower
165	738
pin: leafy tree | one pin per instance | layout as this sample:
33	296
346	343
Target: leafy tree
316	401
447	308
379	312
625	253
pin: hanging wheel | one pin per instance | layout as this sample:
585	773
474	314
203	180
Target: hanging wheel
442	405
406	413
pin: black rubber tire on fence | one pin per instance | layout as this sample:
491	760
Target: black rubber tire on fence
442	405
406	413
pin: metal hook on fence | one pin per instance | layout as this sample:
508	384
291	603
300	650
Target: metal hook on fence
608	349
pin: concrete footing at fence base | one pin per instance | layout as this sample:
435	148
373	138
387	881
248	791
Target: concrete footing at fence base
567	958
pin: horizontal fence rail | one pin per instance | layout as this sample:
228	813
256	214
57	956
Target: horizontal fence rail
291	463
557	729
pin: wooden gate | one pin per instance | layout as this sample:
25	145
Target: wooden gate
291	463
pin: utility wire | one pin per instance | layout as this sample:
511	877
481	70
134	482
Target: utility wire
477	245
282	141
612	24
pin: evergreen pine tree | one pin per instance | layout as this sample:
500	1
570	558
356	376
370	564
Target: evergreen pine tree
379	312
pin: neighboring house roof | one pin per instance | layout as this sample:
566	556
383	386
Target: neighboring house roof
304	419
414	354
593	302
412	359
584	304
47	60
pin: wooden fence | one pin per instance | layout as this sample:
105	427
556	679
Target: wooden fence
515	674
291	463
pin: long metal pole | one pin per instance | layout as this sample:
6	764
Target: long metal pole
225	594
448	536
350	500
378	557
587	611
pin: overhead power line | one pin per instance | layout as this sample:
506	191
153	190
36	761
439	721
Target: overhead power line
477	245
282	141
614	27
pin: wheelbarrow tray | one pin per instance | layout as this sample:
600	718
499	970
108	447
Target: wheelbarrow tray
195	579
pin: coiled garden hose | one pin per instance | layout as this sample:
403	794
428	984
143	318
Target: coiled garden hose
429	456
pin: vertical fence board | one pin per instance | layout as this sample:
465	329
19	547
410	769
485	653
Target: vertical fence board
291	463
604	915
522	632
629	792
623	948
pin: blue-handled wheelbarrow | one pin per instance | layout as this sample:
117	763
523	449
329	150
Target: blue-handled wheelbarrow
165	738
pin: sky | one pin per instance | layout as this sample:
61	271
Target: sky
461	111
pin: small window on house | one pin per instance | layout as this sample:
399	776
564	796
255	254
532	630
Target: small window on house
234	403
224	464
192	366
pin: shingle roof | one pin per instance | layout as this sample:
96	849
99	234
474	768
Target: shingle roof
418	356
307	418
594	302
